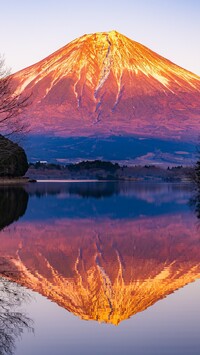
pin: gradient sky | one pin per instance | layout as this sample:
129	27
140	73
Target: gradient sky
31	30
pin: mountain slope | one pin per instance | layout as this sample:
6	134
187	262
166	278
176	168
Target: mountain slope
106	84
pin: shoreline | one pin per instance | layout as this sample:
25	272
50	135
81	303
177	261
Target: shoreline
14	181
25	181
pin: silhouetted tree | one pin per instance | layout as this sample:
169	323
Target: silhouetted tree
11	104
12	321
195	200
197	173
13	160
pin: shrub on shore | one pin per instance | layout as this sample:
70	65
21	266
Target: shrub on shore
13	159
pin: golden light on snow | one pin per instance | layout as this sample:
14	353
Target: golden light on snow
107	77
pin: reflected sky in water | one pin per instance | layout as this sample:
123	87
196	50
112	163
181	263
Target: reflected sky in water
108	264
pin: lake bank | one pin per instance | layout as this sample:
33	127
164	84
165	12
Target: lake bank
14	181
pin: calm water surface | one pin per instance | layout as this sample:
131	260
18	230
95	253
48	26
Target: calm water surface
99	268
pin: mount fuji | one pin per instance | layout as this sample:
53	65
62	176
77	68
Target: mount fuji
106	96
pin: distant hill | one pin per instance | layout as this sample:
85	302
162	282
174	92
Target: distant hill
123	149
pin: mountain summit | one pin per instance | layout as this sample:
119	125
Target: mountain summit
106	84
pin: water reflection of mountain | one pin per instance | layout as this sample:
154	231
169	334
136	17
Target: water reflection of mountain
103	255
101	269
13	205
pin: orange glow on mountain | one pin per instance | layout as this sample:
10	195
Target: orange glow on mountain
107	83
103	270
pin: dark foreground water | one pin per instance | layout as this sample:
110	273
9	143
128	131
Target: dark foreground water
99	268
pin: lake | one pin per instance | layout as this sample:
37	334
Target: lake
99	268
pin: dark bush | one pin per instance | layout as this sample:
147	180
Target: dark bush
13	160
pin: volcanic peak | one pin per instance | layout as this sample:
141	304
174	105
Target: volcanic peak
107	84
100	55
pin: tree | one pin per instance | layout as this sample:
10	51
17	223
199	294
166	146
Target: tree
11	104
197	173
12	320
13	160
195	200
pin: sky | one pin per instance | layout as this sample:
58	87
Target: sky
33	29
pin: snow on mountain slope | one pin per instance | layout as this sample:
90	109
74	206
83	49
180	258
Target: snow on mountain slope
105	84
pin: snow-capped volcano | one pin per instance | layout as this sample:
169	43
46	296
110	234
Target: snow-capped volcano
105	84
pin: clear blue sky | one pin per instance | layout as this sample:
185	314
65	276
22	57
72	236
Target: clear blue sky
32	29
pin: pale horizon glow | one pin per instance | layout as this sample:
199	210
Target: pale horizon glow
33	30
